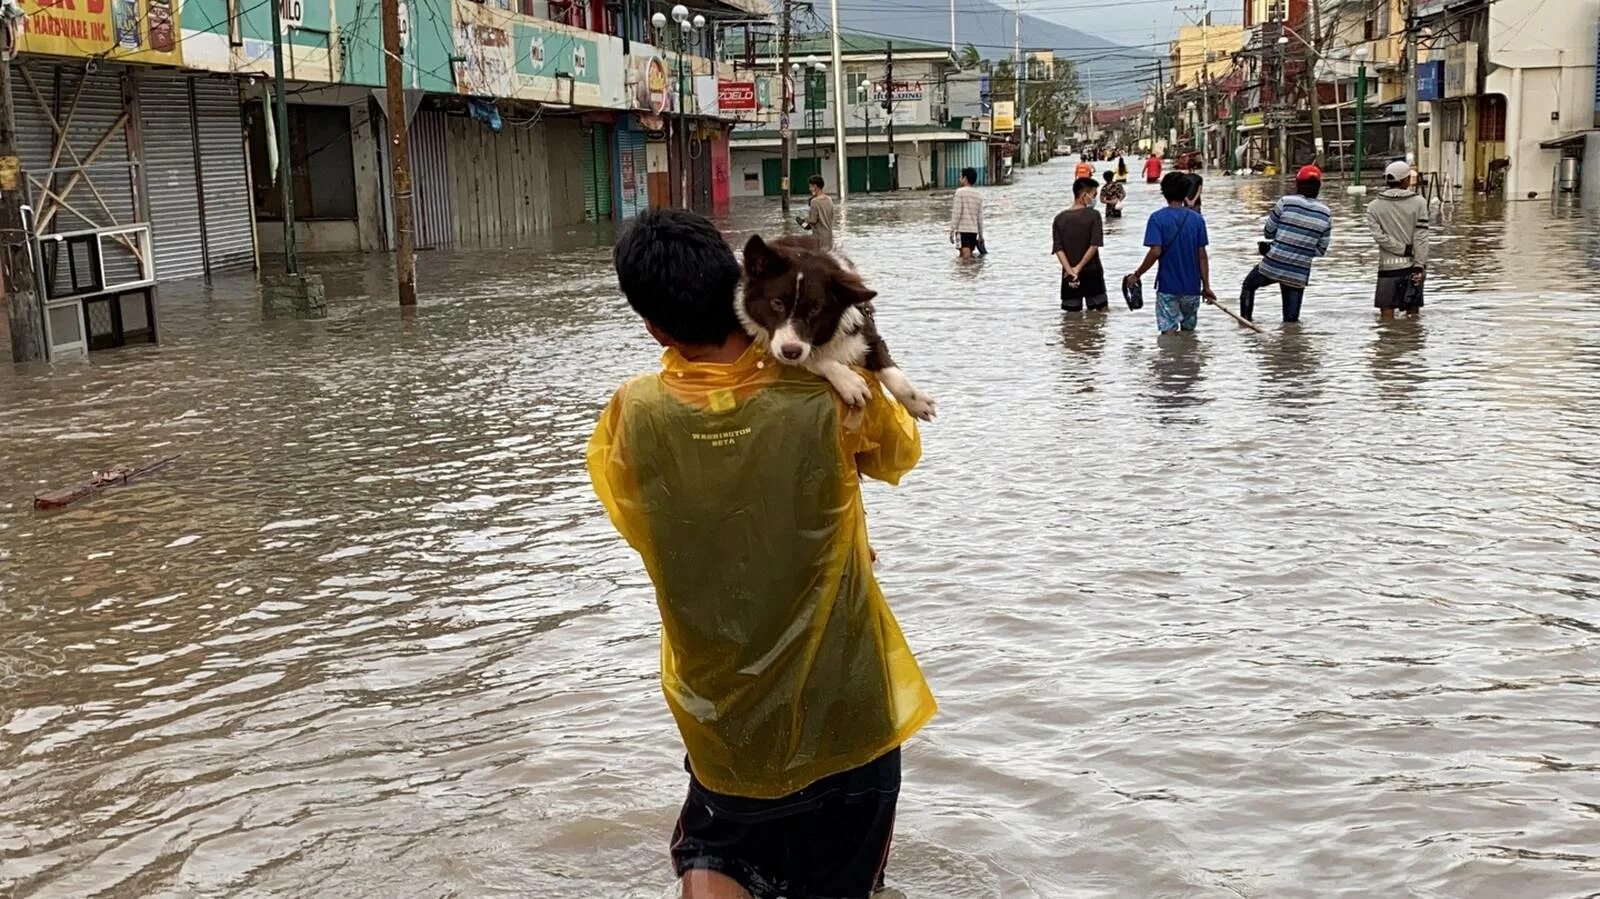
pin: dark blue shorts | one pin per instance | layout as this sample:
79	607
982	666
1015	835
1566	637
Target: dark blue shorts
830	840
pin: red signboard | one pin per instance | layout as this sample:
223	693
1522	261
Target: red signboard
736	95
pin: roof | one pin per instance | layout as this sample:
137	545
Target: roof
850	44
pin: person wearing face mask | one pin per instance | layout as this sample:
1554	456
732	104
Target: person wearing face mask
1079	233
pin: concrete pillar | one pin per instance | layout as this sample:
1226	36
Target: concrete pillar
1589	188
372	233
1514	136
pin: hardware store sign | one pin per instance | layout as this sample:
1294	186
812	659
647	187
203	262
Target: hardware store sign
142	30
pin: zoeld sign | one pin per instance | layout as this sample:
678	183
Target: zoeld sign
736	95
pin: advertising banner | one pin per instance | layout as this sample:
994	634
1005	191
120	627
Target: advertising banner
1005	116
736	95
133	30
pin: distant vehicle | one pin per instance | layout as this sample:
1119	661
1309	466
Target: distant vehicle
1063	150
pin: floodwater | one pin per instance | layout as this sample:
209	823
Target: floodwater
1309	613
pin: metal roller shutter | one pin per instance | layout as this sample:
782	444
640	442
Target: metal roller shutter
590	200
98	108
602	171
169	175
230	225
633	192
430	181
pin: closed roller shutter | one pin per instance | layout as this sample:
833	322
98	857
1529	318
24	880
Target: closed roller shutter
601	136
230	227
169	175
633	176
430	181
98	108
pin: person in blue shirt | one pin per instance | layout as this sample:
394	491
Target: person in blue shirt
1177	239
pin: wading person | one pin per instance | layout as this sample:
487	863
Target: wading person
737	481
819	218
1122	168
1152	169
1112	194
1398	219
1083	169
966	213
1299	229
1197	184
1077	236
1176	236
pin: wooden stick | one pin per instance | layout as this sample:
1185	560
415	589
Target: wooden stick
117	477
1238	318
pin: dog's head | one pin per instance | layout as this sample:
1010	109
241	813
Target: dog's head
796	296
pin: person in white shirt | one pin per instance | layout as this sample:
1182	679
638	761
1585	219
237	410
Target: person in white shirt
966	214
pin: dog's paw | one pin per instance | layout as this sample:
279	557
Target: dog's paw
920	405
852	388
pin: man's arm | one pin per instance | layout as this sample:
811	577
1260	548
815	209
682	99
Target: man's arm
979	204
611	476
1204	259
1419	237
811	214
1270	229
887	443
1326	240
1150	258
1066	267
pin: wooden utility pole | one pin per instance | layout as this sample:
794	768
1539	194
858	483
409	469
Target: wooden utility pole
405	261
1313	61
17	289
1413	133
784	132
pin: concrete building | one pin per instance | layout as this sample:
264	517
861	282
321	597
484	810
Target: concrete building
1203	52
1515	90
928	149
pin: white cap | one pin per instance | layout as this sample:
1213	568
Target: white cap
1398	171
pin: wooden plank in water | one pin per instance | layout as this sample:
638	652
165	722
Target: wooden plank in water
115	477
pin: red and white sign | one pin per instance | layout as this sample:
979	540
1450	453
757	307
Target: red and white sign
736	95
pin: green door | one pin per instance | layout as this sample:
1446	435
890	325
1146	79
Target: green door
771	177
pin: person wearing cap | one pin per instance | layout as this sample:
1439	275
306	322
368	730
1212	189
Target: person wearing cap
1298	230
1398	219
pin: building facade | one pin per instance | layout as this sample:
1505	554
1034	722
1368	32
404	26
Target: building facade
148	141
1512	87
928	149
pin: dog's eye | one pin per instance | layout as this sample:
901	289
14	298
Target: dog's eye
777	304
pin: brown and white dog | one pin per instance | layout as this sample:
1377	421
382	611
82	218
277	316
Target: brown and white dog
809	307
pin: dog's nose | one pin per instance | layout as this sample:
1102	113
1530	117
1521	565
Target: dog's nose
792	351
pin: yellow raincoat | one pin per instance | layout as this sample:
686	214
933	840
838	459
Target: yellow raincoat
738	485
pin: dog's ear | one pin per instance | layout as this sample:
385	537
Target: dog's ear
852	291
761	260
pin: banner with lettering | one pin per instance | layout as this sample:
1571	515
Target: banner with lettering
131	30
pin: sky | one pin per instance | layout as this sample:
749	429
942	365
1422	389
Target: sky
1129	22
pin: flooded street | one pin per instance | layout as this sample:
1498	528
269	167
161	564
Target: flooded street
1308	613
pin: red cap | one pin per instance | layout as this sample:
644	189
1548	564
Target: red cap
1309	173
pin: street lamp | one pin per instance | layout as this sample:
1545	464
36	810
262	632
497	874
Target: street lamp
686	27
865	94
1360	187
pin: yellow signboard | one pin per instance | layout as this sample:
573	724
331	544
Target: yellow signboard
1005	116
133	30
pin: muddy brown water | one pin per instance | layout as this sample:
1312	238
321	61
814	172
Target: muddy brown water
1311	613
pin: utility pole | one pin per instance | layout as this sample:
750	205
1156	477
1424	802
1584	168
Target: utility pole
784	132
953	51
1155	117
17	289
405	262
1313	60
1413	144
1020	94
888	107
280	106
841	149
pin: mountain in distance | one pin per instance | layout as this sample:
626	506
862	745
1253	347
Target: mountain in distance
1118	73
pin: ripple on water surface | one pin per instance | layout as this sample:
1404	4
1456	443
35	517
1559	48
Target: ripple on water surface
1309	613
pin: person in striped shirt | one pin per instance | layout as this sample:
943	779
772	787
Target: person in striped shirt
1298	230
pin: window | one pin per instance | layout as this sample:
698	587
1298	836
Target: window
1376	26
1492	118
321	163
854	77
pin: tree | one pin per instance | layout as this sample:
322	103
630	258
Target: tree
1053	104
969	58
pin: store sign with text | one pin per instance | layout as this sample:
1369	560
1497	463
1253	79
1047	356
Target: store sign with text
736	95
1005	116
141	30
904	91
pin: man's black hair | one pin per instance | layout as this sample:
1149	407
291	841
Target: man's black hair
1309	187
971	175
1110	177
1175	187
1083	186
816	181
679	275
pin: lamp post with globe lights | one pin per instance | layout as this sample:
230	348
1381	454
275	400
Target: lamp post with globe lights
686	26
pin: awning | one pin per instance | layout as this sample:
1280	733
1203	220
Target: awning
1575	139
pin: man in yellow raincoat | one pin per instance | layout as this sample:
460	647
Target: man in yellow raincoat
738	482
